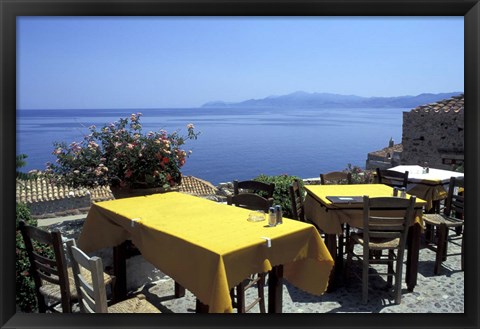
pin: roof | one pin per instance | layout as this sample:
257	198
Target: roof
196	186
40	190
388	150
455	104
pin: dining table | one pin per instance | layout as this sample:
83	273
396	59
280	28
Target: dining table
329	207
209	247
429	184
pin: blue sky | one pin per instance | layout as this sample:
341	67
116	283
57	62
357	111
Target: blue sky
156	62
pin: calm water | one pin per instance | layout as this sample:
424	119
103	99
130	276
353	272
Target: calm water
233	143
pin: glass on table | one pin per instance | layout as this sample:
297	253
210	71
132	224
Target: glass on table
256	216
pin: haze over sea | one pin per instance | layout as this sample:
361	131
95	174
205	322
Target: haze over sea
234	143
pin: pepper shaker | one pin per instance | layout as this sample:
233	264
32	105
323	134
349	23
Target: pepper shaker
395	191
279	214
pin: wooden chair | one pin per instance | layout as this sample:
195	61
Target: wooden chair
339	177
296	199
297	204
451	218
54	281
336	177
250	201
392	178
252	186
92	293
49	273
253	202
252	195
382	232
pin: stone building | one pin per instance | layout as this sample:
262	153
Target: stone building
434	133
385	158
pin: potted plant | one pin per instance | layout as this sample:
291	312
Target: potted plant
121	156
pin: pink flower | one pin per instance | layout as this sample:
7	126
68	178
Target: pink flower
128	173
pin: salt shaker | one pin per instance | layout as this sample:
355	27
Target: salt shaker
403	194
272	218
395	191
425	168
279	214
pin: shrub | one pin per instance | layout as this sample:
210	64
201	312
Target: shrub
281	194
25	287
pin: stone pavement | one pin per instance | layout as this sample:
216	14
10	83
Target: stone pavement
443	293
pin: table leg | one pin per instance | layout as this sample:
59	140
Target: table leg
331	244
179	290
120	272
275	289
201	307
413	245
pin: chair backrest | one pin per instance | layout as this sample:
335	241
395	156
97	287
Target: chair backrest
296	199
336	177
250	201
454	204
392	178
387	217
251	186
44	268
92	297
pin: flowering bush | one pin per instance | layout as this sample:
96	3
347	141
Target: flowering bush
119	155
359	175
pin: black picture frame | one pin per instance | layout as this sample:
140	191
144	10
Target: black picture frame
10	9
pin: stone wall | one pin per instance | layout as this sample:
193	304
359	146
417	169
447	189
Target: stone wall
434	134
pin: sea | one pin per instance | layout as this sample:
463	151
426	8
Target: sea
234	143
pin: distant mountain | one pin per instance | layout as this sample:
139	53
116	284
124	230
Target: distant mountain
303	99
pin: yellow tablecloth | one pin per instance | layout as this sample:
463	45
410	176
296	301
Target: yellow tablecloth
428	190
208	247
329	217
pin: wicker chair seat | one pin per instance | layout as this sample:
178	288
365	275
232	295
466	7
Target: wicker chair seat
137	304
52	291
377	243
438	219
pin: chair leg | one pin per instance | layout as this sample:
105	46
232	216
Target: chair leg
341	239
233	297
442	237
462	254
42	306
429	233
240	297
445	245
458	230
365	280
261	292
346	269
390	268
398	278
